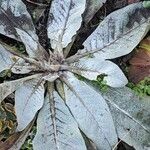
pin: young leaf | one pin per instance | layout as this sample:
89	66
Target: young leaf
119	33
29	99
131	117
13	63
33	47
89	108
56	127
64	21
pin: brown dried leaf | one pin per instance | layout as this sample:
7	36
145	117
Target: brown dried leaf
140	63
15	141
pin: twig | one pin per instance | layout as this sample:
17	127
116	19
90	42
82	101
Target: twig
38	4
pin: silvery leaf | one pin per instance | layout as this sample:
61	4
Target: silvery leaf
15	22
13	14
91	112
6	59
29	99
9	61
64	21
90	68
131	115
9	87
56	127
119	33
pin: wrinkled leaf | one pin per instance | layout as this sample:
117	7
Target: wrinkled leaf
29	99
131	117
56	127
89	108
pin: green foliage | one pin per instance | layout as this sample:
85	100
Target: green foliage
142	88
5	73
146	4
101	83
28	143
19	47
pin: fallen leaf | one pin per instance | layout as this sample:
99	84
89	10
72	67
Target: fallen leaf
140	63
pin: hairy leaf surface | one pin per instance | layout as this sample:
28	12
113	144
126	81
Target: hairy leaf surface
70	105
6	59
131	117
92	67
15	22
64	21
9	87
56	127
13	14
119	33
89	108
9	61
29	99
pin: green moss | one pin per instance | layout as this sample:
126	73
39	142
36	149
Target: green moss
146	4
99	83
142	88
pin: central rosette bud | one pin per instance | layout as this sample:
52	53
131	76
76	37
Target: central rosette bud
55	64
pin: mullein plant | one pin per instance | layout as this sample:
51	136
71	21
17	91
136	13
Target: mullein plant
51	93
